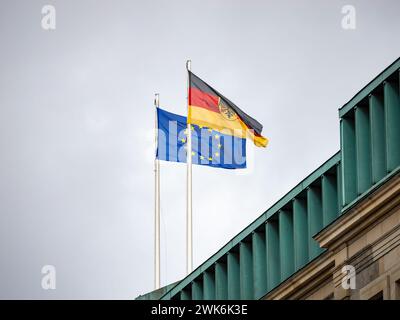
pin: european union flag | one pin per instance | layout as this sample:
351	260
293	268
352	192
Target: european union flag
209	147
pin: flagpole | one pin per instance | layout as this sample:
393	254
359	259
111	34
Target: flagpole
156	201
189	224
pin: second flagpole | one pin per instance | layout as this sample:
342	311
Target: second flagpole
156	201
189	224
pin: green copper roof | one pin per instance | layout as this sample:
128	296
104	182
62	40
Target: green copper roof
363	93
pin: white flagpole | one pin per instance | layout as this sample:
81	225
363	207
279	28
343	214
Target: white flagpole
156	201
189	225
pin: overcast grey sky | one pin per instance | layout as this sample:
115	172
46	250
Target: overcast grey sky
76	120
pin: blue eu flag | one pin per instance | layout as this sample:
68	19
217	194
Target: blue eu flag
209	147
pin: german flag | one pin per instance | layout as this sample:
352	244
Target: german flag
209	108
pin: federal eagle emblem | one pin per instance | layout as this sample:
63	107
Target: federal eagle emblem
226	111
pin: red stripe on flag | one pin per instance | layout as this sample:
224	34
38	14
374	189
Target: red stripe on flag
204	100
